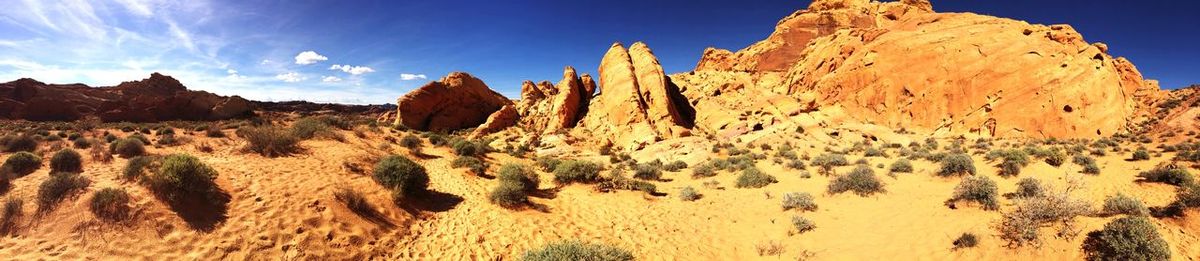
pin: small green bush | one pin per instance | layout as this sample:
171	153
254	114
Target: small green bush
829	161
402	175
861	181
129	147
13	207
1030	187
901	166
475	165
689	194
874	152
66	160
1173	176
354	200
802	224
754	178
675	166
110	204
1055	158
59	186
957	164
547	164
966	240
1140	155
411	142
799	200
509	195
182	175
463	147
519	174
82	143
1123	204
310	127
21	164
270	141
576	250
704	170
1127	238
979	189
1083	160
18	143
576	171
1091	168
647	172
136	167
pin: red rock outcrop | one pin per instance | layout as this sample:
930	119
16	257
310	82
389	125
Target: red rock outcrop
637	104
900	65
502	119
158	98
546	108
457	101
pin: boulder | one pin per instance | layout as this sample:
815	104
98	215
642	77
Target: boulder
502	119
546	108
457	101
628	115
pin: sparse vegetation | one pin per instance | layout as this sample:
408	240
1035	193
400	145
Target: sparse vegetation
1127	238
110	204
1173	176
66	160
1030	187
576	171
59	186
270	141
861	181
979	189
353	200
957	164
799	201
829	161
901	166
577	250
647	172
1124	204
688	194
475	165
704	170
412	142
128	147
1140	155
11	143
403	176
754	178
182	175
1021	226
966	240
20	164
802	224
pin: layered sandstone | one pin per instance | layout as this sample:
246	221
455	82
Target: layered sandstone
457	101
546	108
637	104
502	119
158	98
900	65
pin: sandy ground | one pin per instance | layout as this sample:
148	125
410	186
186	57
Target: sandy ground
283	208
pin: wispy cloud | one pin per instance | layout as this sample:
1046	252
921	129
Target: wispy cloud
331	79
354	70
410	77
291	77
309	57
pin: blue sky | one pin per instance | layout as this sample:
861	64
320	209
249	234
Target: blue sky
375	51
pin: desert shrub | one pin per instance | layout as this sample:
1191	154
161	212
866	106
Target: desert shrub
13	207
704	170
1127	238
403	176
1140	154
353	200
519	174
979	189
82	143
861	181
1124	204
437	139
802	224
410	141
109	137
140	137
128	147
577	250
800	201
18	143
1082	160
874	152
754	178
689	194
957	164
1091	168
270	141
110	204
464	147
168	140
675	166
1021	226
20	164
796	164
182	175
136	167
59	186
475	165
1055	158
966	240
1015	155
547	164
576	171
1030	187
310	127
829	161
508	195
901	166
647	172
1173	176
214	131
66	160
616	181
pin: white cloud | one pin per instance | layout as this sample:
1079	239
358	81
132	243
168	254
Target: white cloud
409	76
331	79
264	62
231	71
355	70
291	77
309	57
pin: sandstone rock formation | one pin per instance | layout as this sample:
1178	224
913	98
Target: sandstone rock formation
455	102
901	65
158	98
546	108
506	117
637	104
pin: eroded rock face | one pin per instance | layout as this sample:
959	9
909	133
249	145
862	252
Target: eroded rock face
638	104
502	119
158	98
457	101
900	65
546	108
